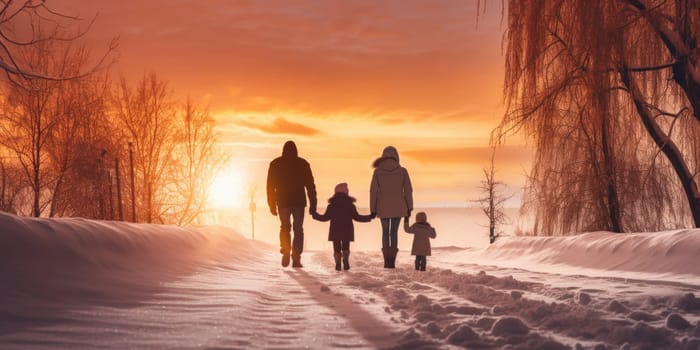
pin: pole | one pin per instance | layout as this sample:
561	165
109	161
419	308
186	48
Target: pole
133	191
110	183
120	208
100	190
252	217
4	184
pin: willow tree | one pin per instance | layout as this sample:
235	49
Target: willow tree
601	87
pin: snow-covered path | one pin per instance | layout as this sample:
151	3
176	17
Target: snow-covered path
258	304
70	284
255	304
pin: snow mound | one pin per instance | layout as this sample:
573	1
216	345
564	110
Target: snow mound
79	258
666	252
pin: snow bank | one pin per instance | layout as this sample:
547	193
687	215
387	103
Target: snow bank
64	258
663	253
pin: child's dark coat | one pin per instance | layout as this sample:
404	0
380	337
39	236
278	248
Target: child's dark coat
422	233
341	211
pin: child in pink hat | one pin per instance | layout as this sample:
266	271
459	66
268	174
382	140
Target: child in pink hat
341	211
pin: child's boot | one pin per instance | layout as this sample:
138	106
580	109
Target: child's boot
337	261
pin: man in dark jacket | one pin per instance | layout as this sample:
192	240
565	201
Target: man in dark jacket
287	178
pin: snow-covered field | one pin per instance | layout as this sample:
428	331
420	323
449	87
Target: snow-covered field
73	283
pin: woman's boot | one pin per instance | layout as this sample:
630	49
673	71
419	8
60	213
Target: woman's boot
346	260
337	261
392	257
385	253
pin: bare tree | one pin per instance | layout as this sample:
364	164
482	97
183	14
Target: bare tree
599	86
41	120
146	113
198	159
77	145
30	23
36	55
44	120
10	185
30	116
493	200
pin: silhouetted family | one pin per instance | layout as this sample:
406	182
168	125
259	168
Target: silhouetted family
290	181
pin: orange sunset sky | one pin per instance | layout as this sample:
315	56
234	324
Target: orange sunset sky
342	79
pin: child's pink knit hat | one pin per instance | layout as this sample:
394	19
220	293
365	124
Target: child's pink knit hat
421	217
341	188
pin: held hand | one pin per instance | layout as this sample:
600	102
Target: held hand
405	220
273	211
409	212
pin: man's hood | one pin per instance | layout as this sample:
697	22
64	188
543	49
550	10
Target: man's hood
289	150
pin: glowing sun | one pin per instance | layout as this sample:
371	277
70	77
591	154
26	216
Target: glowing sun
228	189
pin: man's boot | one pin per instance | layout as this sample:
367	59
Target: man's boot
296	260
336	256
346	260
385	253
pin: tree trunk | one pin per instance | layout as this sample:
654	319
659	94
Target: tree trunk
613	203
667	146
676	36
36	209
120	207
54	197
149	202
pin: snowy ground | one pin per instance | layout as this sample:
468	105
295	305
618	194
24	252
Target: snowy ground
83	284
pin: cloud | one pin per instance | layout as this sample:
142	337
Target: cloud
282	126
470	155
347	76
327	56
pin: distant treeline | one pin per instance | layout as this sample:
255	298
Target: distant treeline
75	141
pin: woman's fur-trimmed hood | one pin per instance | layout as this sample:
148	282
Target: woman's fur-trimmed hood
389	152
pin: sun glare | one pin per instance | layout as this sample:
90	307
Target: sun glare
228	189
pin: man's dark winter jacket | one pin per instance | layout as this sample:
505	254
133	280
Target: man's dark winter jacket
287	178
341	212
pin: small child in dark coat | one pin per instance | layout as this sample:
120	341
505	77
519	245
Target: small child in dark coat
422	233
341	211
